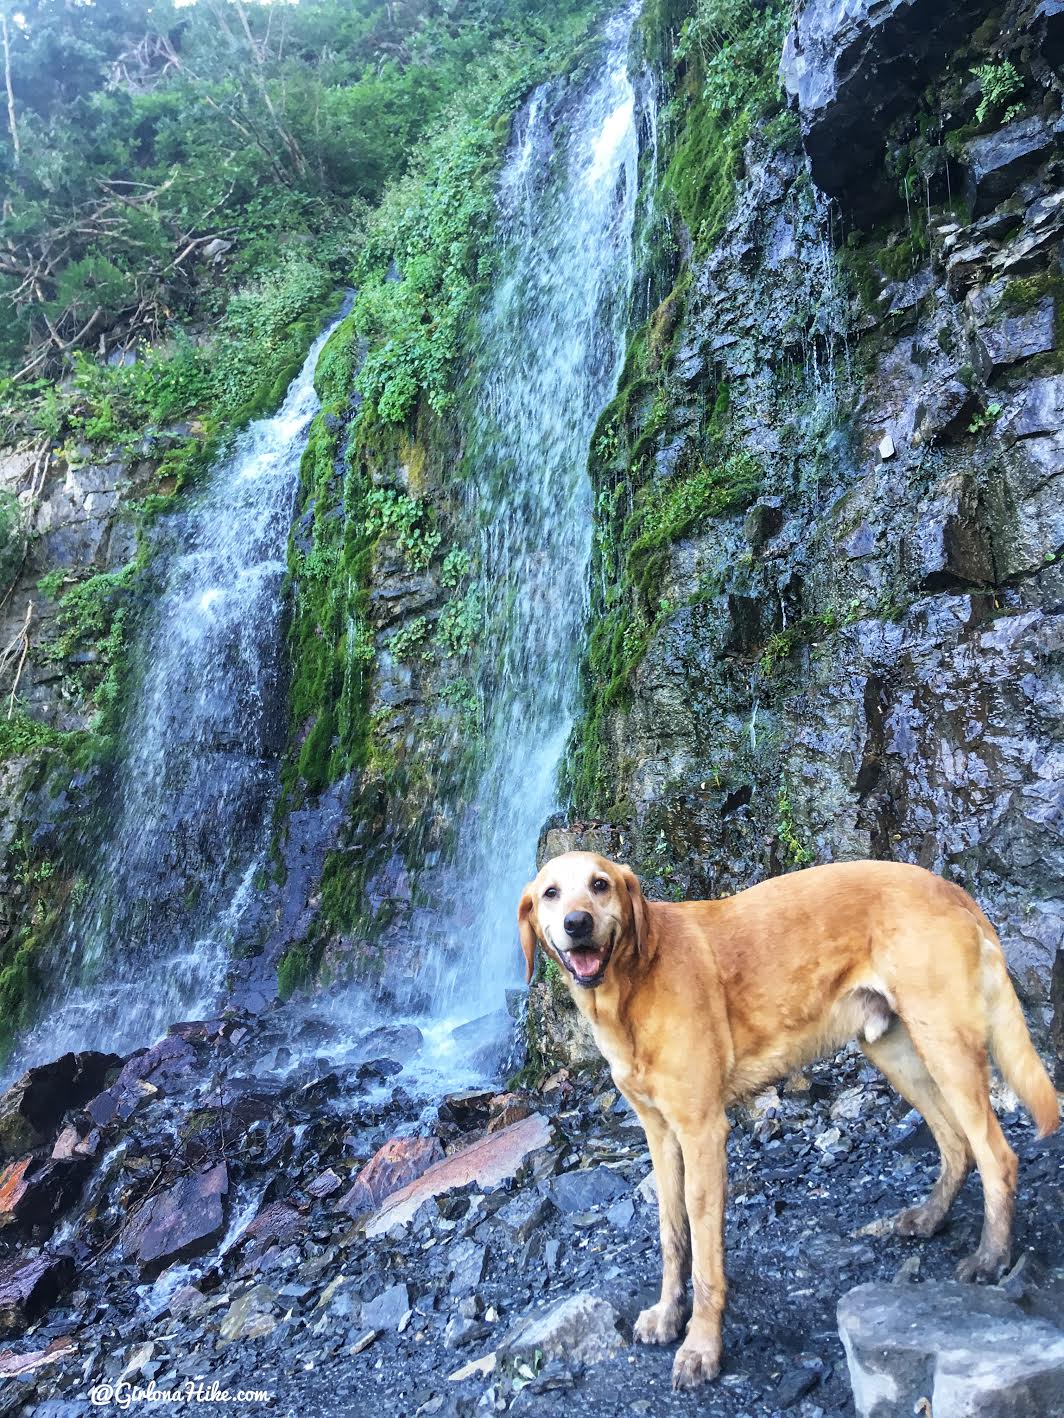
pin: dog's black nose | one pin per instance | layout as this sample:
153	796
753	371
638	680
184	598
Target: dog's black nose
579	924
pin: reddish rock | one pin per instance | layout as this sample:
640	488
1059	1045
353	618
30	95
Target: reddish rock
72	1143
178	1223
32	1109
12	1364
487	1163
400	1161
29	1287
35	1191
507	1108
276	1224
325	1184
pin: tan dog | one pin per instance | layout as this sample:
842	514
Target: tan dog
695	1005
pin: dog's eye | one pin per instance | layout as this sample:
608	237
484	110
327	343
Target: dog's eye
551	893
600	884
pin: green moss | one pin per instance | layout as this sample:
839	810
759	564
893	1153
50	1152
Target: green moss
667	511
1024	294
20	733
731	50
297	968
795	850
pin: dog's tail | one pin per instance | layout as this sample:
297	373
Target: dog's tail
1010	1043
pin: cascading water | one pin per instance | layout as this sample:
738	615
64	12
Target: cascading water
549	358
187	824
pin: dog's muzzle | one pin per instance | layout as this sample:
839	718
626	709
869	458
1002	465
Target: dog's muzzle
586	963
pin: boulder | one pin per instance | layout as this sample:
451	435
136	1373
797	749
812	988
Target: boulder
178	1223
851	69
487	1163
997	162
29	1287
33	1107
398	1163
34	1192
580	1191
954	1350
581	1329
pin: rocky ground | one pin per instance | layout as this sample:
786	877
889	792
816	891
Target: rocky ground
226	1210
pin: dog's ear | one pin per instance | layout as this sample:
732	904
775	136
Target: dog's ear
526	927
639	907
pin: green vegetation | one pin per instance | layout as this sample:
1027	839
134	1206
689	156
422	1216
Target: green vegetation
729	52
795	850
997	84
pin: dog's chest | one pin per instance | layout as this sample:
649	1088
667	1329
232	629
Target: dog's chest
630	1076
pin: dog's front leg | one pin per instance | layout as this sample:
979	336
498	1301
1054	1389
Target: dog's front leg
705	1163
663	1322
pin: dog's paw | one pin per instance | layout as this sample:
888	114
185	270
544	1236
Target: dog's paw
918	1221
661	1324
983	1267
697	1361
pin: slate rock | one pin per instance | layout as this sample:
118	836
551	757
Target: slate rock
966	1351
500	1157
387	1309
997	162
33	1107
178	1223
35	1192
30	1287
468	1265
525	1214
580	1191
391	1041
580	1329
251	1316
852	69
395	1165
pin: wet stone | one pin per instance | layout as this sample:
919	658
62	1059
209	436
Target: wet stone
581	1191
181	1222
30	1287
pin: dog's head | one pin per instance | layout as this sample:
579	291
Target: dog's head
585	911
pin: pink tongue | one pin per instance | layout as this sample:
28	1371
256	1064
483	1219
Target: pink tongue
585	962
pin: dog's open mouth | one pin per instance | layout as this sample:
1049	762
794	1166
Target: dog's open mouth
587	963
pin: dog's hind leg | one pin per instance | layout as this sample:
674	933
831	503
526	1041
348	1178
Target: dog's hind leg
955	1056
663	1322
896	1058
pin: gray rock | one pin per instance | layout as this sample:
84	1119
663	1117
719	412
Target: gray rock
580	1329
580	1191
998	162
851	69
386	1310
969	1353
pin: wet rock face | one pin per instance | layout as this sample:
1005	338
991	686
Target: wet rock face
869	661
31	1109
852	68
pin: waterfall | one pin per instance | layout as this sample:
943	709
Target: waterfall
178	844
550	350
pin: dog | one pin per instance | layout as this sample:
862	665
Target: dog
698	1004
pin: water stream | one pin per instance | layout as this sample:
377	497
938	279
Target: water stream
153	918
548	361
